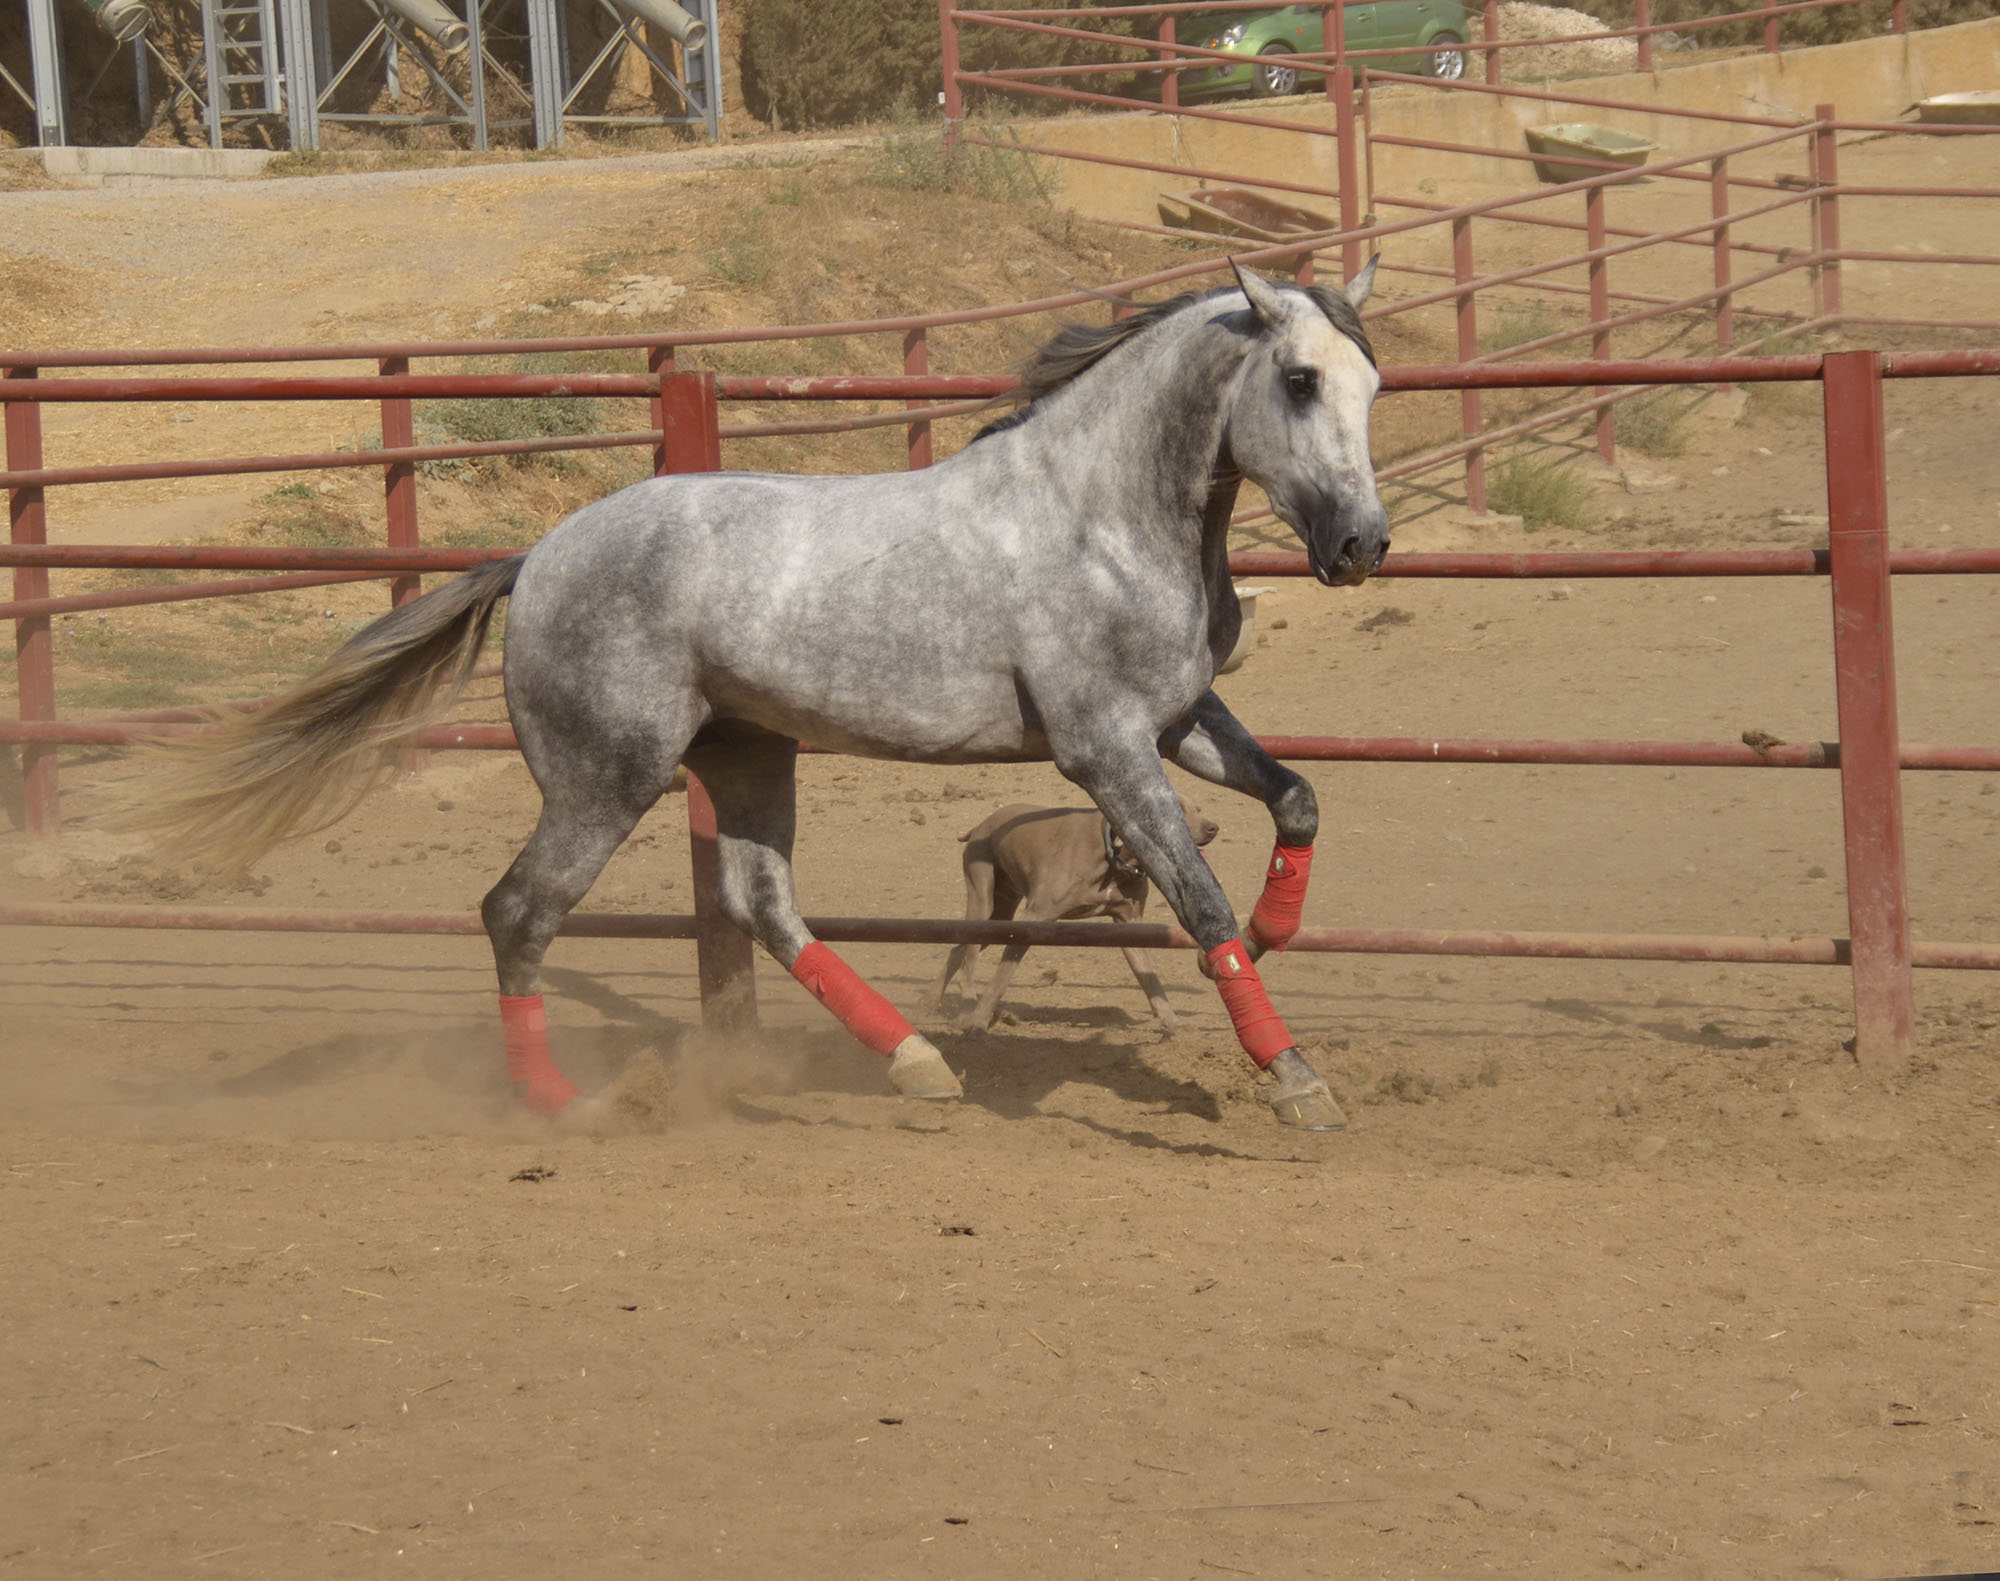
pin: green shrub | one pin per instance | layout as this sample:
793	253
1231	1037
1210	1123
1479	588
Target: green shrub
1517	326
1541	493
481	419
915	158
806	63
1798	28
745	256
294	513
1653	425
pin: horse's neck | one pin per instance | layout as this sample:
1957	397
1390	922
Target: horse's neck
1146	432
1224	482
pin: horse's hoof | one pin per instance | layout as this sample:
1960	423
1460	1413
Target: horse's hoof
547	1095
586	1117
1302	1098
919	1071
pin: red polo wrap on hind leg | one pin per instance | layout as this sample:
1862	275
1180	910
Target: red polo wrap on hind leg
537	1082
865	1013
1259	1028
1282	905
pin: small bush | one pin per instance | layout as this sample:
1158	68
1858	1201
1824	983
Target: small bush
745	257
1518	326
915	158
483	419
1653	425
1783	343
509	532
294	513
1541	493
807	63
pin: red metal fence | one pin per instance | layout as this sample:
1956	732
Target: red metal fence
683	431
1727	292
688	435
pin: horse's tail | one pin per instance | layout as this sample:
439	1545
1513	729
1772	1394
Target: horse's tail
228	795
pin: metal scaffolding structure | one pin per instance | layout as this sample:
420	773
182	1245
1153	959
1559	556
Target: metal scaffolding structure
492	65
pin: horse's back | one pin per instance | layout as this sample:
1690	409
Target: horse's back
853	611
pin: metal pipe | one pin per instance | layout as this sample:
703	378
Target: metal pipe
326	461
34	641
432	20
1864	662
686	30
124	20
139	597
1249	562
1720	948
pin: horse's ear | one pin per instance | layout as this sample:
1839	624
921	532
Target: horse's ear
1360	287
1264	298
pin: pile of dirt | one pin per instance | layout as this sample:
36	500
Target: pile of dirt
1521	20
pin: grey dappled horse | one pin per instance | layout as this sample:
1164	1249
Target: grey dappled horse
1058	589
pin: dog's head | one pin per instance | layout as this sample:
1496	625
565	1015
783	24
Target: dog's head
1200	825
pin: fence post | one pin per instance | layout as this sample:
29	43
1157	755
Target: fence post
1828	240
34	638
954	102
399	494
1718	207
399	479
1899	21
1469	419
691	429
1770	27
1170	80
1340	88
1815	275
1864	660
660	362
1489	34
1600	310
1642	19
916	362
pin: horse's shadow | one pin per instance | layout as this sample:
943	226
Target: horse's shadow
1009	1073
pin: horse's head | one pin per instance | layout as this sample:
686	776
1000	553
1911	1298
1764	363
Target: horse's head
1299	427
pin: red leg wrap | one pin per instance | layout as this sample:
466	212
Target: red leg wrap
1283	903
537	1082
1259	1028
865	1013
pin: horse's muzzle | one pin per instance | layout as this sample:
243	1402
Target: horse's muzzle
1350	548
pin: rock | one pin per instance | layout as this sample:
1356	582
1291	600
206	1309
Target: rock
1636	479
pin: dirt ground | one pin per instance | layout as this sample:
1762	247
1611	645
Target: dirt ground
1618	1267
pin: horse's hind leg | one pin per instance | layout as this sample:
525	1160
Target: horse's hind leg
749	775
571	843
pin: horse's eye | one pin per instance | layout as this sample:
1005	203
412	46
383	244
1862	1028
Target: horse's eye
1302	384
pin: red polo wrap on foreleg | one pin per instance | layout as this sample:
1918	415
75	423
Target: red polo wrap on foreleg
537	1082
1259	1028
1282	905
865	1013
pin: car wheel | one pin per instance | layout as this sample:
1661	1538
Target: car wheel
1445	59
1274	79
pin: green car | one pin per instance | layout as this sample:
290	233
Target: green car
1432	33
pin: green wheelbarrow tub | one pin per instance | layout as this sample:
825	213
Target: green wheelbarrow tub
1580	139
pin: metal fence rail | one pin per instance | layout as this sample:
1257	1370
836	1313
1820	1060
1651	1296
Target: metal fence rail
1856	559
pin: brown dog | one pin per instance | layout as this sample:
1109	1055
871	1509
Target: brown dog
1050	864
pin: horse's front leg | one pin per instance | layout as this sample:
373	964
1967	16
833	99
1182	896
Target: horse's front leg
1131	788
1212	744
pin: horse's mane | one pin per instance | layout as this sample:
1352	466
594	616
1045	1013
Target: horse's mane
1077	348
